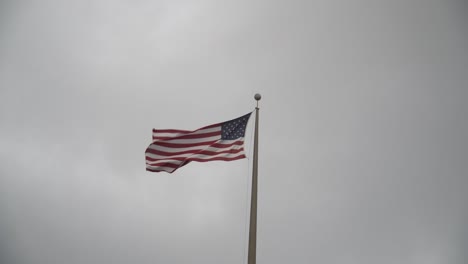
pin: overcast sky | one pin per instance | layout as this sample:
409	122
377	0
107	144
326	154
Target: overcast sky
363	131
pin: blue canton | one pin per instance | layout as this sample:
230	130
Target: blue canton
235	128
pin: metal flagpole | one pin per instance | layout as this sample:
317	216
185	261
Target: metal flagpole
252	256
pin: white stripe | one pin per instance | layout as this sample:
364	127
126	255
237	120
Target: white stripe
201	131
224	155
203	157
156	156
157	134
167	149
207	130
161	161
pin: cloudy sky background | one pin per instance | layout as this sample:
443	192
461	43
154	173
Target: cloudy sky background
363	133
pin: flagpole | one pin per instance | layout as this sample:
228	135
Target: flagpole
252	255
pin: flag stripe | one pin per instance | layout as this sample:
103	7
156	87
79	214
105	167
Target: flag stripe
176	131
227	153
217	144
159	169
166	133
213	147
199	158
190	136
188	145
193	140
167	163
167	166
160	136
187	134
153	157
220	158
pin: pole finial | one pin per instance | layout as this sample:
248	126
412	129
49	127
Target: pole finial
257	97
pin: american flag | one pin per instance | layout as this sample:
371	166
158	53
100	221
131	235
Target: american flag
173	148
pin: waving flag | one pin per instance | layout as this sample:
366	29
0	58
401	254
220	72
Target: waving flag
173	148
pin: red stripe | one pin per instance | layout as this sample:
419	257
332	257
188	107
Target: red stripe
208	143
168	164
156	170
190	136
199	160
170	131
208	153
215	145
210	126
223	145
165	164
174	133
174	145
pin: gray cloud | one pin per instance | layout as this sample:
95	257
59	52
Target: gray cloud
363	130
